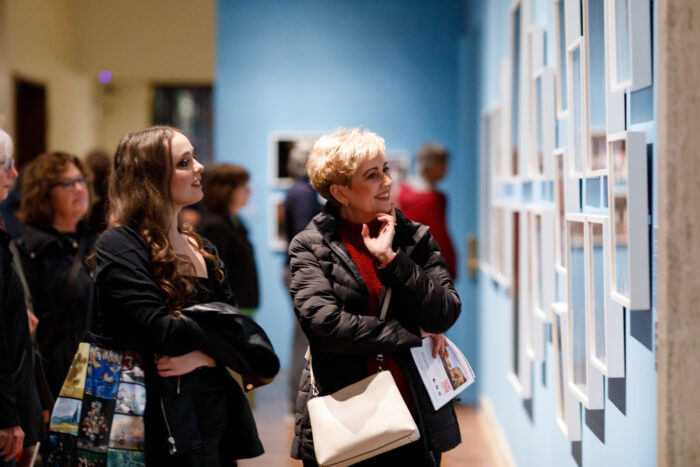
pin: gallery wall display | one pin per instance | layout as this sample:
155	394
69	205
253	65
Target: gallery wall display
279	146
584	381
602	51
568	414
630	44
629	213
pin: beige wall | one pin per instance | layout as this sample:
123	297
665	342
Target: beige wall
65	43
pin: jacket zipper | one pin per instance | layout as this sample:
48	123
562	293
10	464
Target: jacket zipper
171	440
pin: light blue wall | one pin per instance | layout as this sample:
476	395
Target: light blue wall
624	433
396	68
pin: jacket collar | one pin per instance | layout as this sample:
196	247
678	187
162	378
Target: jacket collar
35	240
408	235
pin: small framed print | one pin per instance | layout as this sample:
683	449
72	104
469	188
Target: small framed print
279	147
629	214
606	336
520	374
629	24
499	250
584	381
568	412
543	135
560	42
541	279
578	108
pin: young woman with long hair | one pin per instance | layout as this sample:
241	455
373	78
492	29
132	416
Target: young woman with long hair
149	266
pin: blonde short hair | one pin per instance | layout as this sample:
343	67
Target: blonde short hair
336	157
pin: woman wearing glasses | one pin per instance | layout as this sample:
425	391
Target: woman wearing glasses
53	245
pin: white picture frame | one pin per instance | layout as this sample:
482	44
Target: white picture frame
276	234
597	160
605	316
583	379
568	410
541	276
279	144
505	167
560	52
630	44
627	193
499	250
567	198
543	122
489	136
572	18
520	371
518	68
578	108
614	100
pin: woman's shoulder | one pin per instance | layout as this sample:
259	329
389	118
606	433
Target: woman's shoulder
116	241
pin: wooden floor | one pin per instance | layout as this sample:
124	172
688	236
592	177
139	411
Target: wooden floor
276	432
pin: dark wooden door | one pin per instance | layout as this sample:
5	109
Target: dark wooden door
30	120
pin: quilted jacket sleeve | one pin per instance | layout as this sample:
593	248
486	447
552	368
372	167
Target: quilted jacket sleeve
326	324
426	289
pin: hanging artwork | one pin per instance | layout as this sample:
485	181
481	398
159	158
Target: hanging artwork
629	23
568	412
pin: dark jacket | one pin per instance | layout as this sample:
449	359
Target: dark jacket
330	299
19	397
205	409
300	206
231	240
47	259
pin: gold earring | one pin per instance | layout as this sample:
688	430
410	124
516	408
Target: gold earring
346	203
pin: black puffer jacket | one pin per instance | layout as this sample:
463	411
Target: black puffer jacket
330	300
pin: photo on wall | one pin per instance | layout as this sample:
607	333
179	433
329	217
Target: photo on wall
280	146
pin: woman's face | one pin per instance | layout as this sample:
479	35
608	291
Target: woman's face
69	194
239	197
186	183
369	192
6	177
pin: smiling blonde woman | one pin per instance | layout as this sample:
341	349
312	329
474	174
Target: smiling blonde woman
341	264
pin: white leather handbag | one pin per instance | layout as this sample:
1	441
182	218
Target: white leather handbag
361	420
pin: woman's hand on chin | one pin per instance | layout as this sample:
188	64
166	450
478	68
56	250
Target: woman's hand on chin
183	364
381	246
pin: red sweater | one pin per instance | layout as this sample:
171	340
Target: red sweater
351	236
428	208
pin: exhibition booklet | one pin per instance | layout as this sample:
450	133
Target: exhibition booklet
444	377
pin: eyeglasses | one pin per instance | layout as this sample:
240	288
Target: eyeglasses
7	164
70	183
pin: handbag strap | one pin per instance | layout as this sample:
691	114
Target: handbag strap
380	357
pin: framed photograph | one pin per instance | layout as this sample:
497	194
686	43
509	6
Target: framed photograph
499	221
541	280
543	121
629	23
519	67
629	213
485	193
584	381
568	412
279	146
594	37
504	168
277	232
578	108
520	374
607	338
560	44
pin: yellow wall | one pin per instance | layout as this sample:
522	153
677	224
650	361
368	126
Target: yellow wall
65	43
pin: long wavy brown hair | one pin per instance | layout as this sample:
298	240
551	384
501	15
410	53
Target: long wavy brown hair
139	197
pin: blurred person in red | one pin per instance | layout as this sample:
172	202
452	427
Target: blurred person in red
420	200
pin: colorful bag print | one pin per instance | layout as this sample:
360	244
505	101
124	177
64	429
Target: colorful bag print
98	417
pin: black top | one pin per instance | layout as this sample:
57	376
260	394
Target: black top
47	259
19	398
231	239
